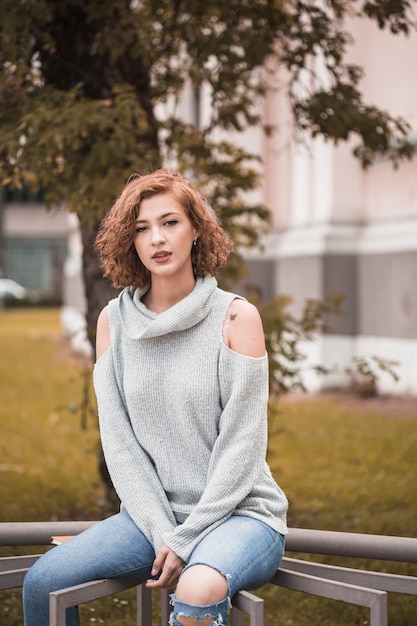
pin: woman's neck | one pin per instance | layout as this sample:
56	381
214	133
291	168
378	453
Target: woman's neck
162	295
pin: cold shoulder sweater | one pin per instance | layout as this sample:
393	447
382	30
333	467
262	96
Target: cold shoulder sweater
183	420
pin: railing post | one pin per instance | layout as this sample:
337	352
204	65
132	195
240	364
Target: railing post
165	606
144	606
379	611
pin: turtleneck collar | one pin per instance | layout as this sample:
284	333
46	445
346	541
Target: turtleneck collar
141	323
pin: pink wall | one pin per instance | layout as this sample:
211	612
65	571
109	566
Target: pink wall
381	192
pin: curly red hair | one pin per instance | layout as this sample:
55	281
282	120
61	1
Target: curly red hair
114	241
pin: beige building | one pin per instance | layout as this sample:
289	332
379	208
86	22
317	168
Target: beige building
340	229
33	243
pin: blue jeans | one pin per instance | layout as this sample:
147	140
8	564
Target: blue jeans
246	551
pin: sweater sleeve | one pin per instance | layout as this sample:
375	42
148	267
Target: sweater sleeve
238	456
131	470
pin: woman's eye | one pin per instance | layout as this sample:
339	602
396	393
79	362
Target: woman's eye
140	229
171	222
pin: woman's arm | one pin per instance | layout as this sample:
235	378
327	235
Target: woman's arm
237	460
245	336
131	470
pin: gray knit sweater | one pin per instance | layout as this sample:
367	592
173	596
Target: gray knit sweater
183	420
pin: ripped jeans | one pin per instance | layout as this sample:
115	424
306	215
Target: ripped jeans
246	551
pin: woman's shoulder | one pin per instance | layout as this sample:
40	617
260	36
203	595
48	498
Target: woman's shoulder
245	333
106	322
103	332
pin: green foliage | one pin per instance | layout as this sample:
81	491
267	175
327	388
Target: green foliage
329	102
226	173
392	13
73	158
286	336
366	372
83	87
340	112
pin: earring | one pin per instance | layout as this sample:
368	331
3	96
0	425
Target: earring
195	241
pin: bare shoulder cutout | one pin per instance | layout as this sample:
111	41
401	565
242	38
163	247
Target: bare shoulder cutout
242	329
103	333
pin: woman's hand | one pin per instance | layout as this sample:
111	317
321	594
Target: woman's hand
169	565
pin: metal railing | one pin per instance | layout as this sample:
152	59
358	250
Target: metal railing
308	541
360	587
326	542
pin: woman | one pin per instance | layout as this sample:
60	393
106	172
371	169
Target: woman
182	388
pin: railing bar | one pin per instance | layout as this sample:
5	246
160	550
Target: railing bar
13	578
62	599
376	580
246	601
250	604
326	588
93	590
17	562
381	547
38	533
373	599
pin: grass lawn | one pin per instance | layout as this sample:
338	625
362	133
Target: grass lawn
345	465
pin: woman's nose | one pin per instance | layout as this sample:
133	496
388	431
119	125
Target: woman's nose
157	236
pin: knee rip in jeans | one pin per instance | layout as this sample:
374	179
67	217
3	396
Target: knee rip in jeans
208	615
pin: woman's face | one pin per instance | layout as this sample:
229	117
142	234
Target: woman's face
164	237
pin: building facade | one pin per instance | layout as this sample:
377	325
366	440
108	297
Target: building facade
339	229
33	243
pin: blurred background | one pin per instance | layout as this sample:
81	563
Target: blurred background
328	215
298	121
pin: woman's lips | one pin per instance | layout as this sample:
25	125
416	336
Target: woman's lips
161	257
